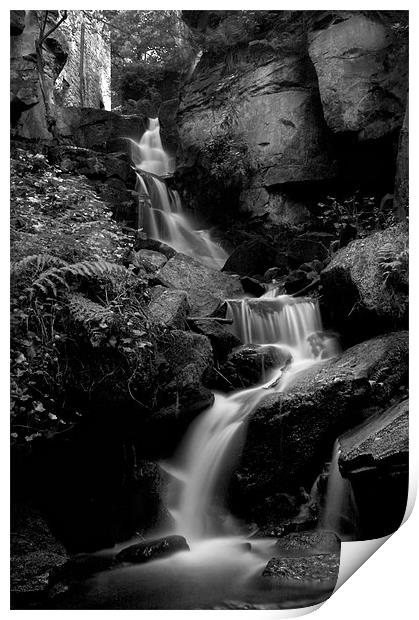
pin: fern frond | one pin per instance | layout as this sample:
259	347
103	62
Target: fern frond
85	311
38	261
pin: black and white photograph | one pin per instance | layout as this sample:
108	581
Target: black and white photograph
209	289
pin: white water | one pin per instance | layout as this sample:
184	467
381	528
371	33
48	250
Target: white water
339	513
161	214
210	449
221	570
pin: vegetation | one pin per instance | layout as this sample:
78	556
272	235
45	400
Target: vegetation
150	51
77	313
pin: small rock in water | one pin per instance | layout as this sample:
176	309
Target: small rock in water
323	568
152	549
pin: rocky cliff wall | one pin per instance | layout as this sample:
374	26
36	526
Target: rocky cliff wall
76	65
284	102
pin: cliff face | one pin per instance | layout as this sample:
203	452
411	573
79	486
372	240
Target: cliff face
76	65
284	90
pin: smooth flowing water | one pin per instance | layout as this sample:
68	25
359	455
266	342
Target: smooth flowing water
221	570
340	512
161	214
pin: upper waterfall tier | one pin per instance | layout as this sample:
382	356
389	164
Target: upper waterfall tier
160	213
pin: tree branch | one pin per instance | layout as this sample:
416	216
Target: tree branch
54	27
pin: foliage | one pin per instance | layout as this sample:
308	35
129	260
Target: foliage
226	157
150	50
394	265
361	212
77	314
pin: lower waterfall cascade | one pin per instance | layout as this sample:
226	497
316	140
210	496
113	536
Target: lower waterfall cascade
223	567
204	460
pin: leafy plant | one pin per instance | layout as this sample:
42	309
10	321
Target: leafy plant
394	265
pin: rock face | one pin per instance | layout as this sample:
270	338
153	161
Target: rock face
361	71
92	164
256	120
263	105
375	458
77	65
356	292
99	130
206	288
152	550
288	434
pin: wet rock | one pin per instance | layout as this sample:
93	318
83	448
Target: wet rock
251	364
304	572
295	281
222	339
150	260
361	66
185	367
375	458
274	273
307	544
254	256
169	307
156	246
34	553
289	434
252	286
206	288
100	130
152	550
359	298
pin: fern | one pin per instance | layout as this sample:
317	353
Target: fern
37	261
394	265
95	319
50	278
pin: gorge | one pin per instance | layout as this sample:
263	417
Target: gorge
209	310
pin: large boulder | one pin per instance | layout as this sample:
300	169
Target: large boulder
169	306
365	285
251	257
251	364
222	339
289	434
374	456
361	66
185	364
206	288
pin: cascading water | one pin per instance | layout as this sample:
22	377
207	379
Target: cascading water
221	566
161	214
205	457
339	513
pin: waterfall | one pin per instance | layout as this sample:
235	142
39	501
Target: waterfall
161	214
339	513
210	449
